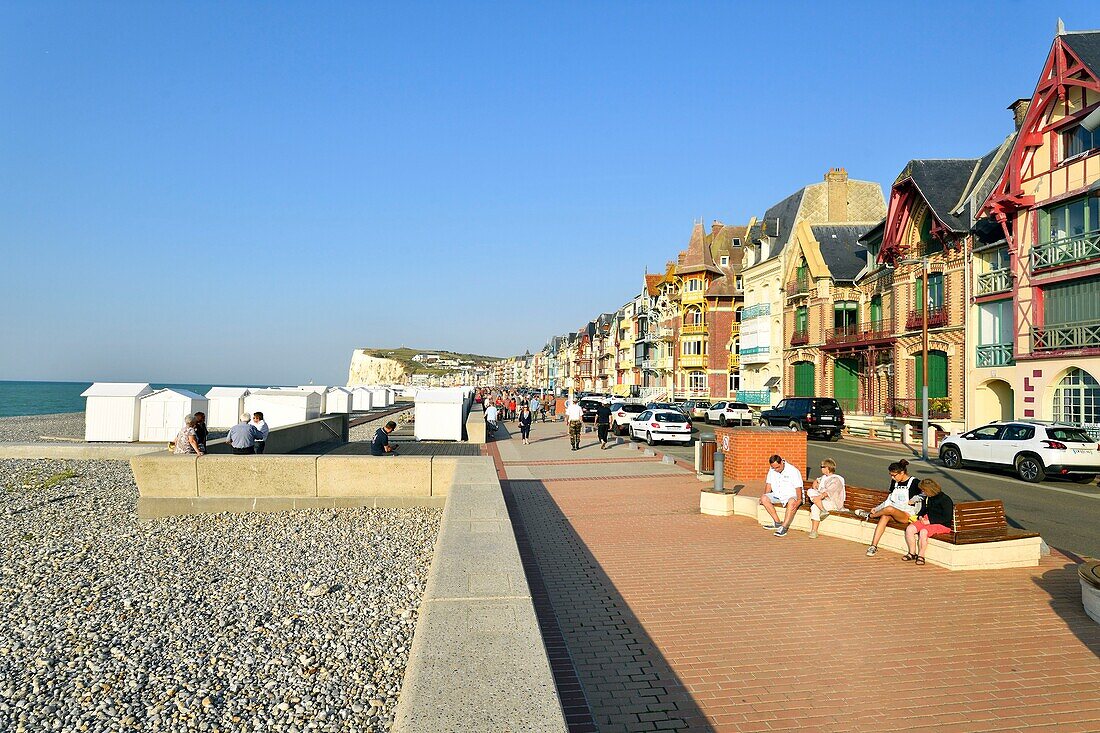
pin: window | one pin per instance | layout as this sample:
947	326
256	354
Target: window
740	283
1069	219
697	381
734	381
693	285
737	241
1018	432
1077	140
931	244
737	313
694	317
1069	435
845	314
989	432
801	319
1076	301
693	348
937	374
935	291
876	309
724	260
995	324
1077	398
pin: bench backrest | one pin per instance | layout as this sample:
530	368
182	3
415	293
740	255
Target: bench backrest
972	516
857	497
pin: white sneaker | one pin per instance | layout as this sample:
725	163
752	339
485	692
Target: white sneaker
863	514
813	534
871	551
824	514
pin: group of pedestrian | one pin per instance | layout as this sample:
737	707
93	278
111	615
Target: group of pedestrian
523	407
247	437
921	506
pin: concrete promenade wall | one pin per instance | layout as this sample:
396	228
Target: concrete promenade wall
475	425
289	438
79	451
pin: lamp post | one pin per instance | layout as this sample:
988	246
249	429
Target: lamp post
924	262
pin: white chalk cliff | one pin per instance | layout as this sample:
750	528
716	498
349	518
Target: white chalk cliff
367	369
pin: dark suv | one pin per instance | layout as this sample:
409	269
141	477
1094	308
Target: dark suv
816	415
589	406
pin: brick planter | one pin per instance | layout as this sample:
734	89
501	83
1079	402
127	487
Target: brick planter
748	449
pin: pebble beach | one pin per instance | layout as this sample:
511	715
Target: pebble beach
298	621
32	428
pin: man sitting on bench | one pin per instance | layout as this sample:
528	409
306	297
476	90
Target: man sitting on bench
783	487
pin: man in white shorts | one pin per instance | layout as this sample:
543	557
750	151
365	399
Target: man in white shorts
783	487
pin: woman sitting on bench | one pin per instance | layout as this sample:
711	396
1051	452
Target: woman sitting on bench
827	495
936	516
903	489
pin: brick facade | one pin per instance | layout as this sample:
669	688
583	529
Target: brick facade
747	451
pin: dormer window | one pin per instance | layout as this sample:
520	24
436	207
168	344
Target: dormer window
1077	140
736	241
693	285
724	260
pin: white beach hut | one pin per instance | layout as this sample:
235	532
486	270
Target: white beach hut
439	414
338	399
391	396
226	406
162	413
321	389
378	397
283	406
362	399
113	411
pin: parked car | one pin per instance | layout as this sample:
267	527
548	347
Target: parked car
589	405
728	413
665	406
695	408
818	416
1033	450
655	426
621	415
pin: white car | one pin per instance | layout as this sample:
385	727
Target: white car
729	413
621	415
655	426
1034	450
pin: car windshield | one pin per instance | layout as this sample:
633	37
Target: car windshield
738	406
1069	435
632	408
670	417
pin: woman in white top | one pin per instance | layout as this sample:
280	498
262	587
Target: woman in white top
903	489
826	495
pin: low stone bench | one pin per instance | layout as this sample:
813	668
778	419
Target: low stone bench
982	540
1089	574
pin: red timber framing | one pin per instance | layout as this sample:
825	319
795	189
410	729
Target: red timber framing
1062	69
905	199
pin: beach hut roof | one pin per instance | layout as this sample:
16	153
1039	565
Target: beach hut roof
185	393
116	389
228	392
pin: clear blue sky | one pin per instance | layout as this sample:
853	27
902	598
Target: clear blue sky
245	192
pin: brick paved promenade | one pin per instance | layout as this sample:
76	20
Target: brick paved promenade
675	620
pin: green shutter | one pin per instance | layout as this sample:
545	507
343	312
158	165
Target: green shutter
1072	302
876	309
937	374
846	383
918	294
801	318
804	379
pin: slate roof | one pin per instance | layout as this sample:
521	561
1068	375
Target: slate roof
697	256
780	218
1086	44
840	248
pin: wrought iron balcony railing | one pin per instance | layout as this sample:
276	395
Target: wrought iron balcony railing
799	338
1066	251
860	333
798	286
755	355
994	281
994	355
756	311
939	408
937	318
1063	336
754	396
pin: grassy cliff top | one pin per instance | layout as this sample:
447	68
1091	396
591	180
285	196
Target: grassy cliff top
404	356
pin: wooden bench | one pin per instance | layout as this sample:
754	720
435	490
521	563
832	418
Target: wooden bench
975	521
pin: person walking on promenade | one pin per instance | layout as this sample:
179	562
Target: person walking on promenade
512	406
782	487
936	516
573	418
380	445
201	432
525	416
827	495
186	440
903	489
603	423
260	424
242	436
549	404
535	405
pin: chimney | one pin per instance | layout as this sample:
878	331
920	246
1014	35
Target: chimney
716	226
837	178
1019	111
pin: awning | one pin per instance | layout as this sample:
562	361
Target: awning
772	383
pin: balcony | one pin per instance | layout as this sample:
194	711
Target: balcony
693	296
754	397
800	338
994	355
798	287
756	311
862	333
756	355
693	361
664	333
1066	336
694	329
939	408
735	362
994	281
882	282
1066	251
937	318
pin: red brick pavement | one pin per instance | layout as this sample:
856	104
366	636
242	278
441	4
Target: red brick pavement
675	619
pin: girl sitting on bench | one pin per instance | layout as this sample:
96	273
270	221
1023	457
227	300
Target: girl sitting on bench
936	516
903	489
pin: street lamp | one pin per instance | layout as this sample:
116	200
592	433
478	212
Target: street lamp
924	262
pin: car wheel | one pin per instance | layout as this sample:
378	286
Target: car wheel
706	419
834	436
1030	469
649	439
951	457
793	425
632	435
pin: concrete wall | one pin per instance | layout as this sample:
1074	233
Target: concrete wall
169	484
289	438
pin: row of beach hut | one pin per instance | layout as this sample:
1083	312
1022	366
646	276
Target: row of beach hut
133	411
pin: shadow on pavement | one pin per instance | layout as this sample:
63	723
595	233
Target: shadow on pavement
1064	588
611	675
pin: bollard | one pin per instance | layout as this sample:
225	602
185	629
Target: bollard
719	470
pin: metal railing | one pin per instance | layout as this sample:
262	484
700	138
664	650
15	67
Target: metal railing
735	361
994	281
798	286
939	408
693	329
858	333
798	338
1057	337
994	355
937	318
693	360
754	396
756	311
1066	250
755	355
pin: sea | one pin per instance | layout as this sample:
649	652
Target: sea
47	398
